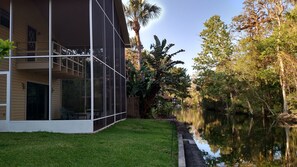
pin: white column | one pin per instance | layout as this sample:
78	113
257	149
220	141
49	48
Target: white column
91	58
50	59
8	93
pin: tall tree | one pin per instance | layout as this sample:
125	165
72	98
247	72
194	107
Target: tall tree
157	73
212	63
261	19
179	83
159	60
216	47
139	13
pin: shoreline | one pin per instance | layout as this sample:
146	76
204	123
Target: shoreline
193	156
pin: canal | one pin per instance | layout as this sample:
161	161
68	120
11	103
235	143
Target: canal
241	140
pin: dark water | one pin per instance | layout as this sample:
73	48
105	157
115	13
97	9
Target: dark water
241	140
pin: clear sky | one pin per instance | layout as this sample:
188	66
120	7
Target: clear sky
181	21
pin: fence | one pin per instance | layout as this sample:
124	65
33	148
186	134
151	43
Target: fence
133	107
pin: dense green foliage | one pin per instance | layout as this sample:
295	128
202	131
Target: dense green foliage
213	64
129	143
256	73
157	77
154	75
5	47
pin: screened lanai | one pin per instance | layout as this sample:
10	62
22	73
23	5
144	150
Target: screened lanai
67	72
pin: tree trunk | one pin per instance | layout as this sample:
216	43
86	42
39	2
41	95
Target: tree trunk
287	152
251	126
136	28
250	107
283	84
280	9
148	101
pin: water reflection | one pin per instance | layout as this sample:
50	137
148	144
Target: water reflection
241	140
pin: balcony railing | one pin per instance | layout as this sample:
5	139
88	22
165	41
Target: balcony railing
62	65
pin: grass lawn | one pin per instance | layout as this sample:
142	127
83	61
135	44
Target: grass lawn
131	143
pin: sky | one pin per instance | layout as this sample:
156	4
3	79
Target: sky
181	22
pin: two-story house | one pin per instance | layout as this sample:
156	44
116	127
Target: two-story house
67	72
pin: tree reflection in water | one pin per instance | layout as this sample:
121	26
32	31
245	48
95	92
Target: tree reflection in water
241	140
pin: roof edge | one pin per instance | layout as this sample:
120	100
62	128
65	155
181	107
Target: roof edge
122	22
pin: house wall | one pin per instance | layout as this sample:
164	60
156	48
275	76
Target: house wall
4	31
2	96
56	98
110	53
4	34
27	13
19	91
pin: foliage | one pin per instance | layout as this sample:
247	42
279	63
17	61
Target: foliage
131	54
157	74
213	62
263	21
139	13
118	145
162	108
257	73
5	47
194	98
216	47
179	83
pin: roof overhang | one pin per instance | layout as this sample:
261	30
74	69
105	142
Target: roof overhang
122	22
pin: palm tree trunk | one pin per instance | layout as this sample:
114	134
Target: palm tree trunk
139	48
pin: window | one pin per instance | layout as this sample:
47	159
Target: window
4	18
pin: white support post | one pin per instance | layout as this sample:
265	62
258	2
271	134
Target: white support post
8	93
91	58
50	60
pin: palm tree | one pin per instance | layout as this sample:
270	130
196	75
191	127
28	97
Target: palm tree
139	13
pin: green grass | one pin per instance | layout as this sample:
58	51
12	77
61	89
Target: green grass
131	143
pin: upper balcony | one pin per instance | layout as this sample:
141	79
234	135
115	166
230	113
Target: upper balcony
36	22
65	62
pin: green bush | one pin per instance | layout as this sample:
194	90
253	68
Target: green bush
162	109
5	47
292	102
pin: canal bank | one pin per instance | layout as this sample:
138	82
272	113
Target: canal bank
192	155
240	140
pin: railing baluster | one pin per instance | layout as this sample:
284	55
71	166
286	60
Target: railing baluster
68	63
